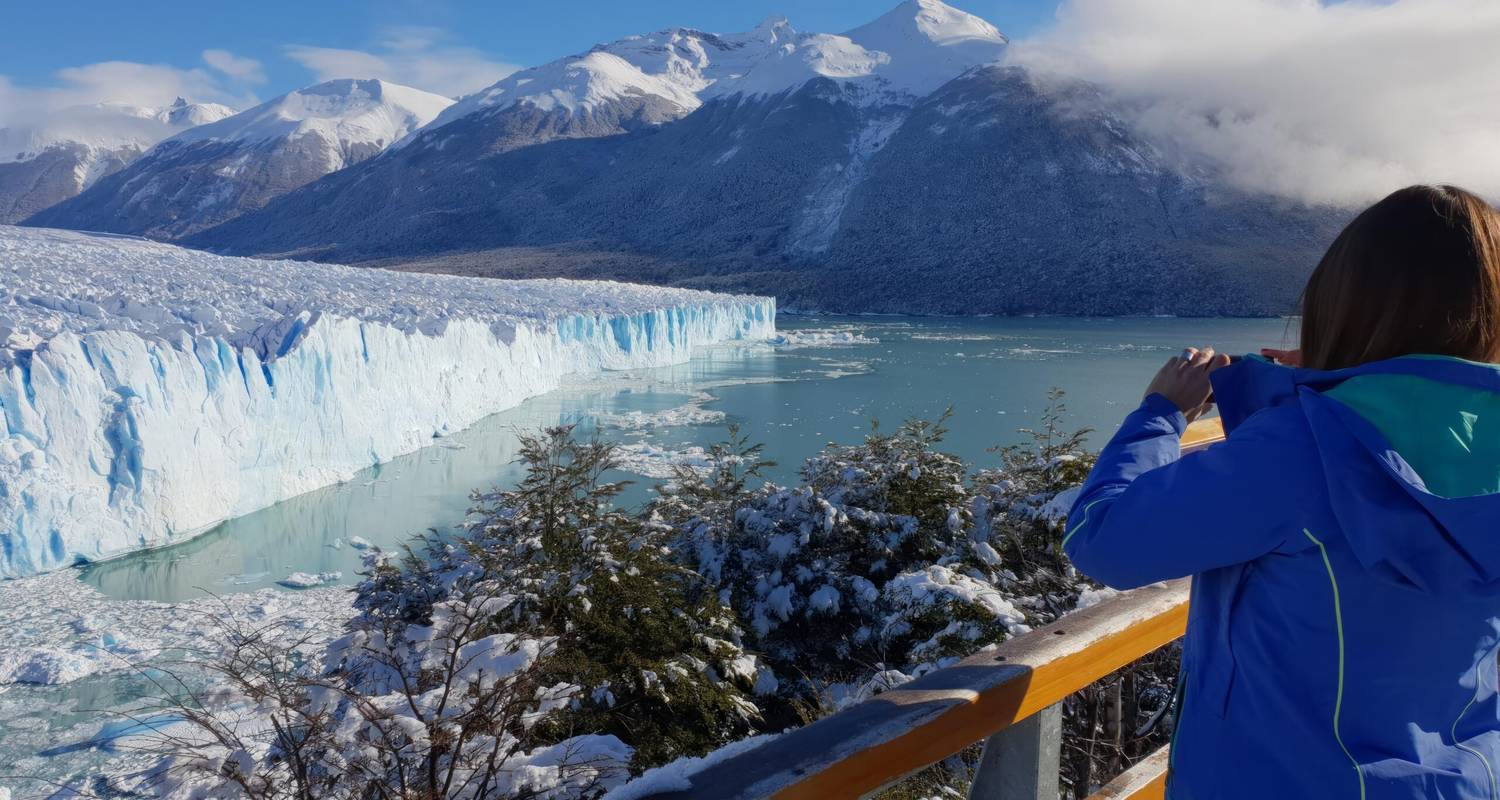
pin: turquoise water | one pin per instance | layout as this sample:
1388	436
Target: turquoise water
994	373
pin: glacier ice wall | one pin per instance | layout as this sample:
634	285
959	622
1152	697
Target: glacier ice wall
115	438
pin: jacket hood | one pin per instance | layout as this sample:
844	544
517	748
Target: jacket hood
1410	449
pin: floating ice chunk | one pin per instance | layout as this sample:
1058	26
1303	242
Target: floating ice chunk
307	580
654	461
360	543
691	413
821	337
44	665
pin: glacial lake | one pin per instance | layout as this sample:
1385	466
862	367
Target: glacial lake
824	382
827	383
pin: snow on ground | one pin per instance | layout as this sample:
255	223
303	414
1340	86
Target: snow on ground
677	775
149	392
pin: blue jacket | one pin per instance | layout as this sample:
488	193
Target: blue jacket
1345	547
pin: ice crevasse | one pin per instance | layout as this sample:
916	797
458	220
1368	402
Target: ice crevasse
148	392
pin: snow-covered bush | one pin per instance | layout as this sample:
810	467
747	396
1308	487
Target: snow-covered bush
559	643
891	558
870	572
543	652
438	709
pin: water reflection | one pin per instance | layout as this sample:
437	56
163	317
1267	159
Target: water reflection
994	373
385	505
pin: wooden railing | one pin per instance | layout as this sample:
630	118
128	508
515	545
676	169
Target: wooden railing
1007	697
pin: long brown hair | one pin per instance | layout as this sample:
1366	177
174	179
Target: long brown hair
1416	273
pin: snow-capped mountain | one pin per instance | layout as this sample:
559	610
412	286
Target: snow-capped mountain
828	169
648	80
55	158
910	51
636	82
214	172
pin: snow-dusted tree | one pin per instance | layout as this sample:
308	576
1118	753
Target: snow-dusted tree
437	709
1018	510
639	647
559	642
543	652
863	573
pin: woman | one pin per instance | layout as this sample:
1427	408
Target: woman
1345	539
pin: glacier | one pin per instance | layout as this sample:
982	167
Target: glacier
149	392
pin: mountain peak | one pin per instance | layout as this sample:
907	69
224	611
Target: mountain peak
349	110
930	20
911	50
773	25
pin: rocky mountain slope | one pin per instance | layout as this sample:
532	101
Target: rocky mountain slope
898	167
47	162
215	172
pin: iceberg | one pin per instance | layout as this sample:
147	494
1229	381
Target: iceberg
149	392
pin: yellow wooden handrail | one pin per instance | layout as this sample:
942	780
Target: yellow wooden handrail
870	745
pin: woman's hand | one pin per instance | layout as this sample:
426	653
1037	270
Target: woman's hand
1184	380
1291	358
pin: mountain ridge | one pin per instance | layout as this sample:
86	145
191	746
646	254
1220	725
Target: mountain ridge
213	172
52	160
926	177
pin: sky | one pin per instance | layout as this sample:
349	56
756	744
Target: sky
240	52
1317	101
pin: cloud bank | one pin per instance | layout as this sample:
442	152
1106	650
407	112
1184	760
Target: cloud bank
1337	103
415	56
129	83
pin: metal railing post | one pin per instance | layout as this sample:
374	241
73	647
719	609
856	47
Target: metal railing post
1022	761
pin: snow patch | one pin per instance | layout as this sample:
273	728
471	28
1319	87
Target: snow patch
677	775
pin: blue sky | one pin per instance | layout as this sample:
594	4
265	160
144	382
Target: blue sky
257	49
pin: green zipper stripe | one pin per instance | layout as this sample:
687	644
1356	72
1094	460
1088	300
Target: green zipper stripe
1081	522
1453	732
1338	622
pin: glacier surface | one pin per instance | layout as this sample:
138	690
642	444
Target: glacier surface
148	392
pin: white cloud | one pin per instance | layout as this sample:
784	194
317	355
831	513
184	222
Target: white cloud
118	82
414	56
1335	103
247	70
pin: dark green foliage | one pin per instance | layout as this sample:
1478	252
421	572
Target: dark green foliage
639	647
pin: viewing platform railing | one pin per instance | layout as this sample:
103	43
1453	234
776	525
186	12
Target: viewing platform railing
1009	698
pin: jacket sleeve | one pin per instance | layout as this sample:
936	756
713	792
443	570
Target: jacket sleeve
1148	514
